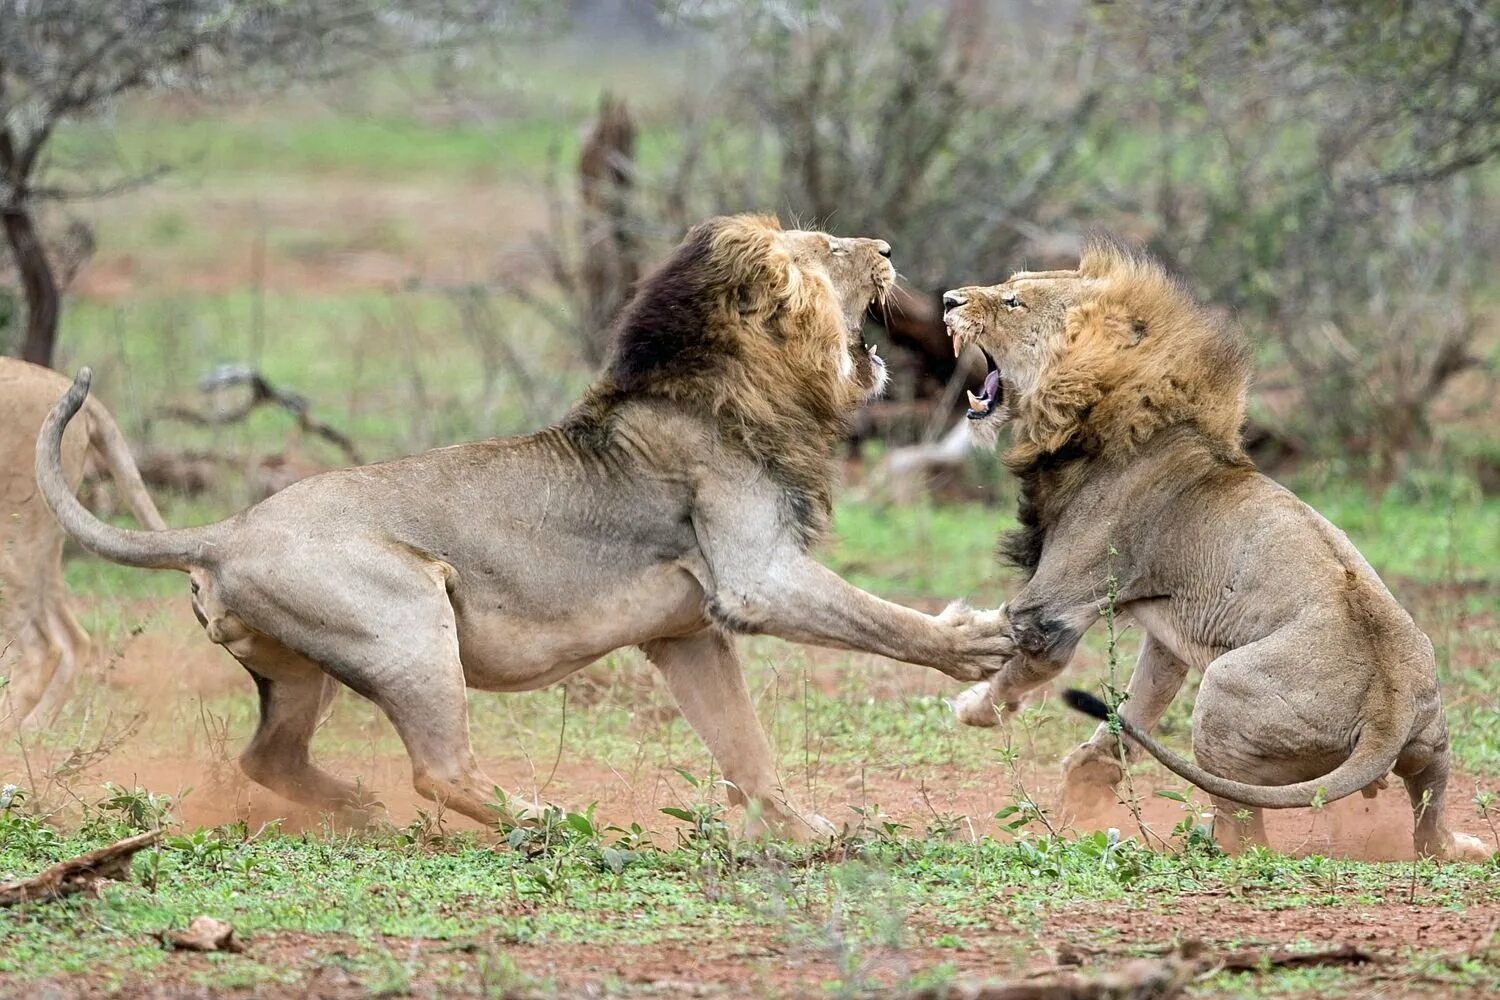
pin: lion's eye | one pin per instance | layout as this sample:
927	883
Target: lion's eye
1011	301
837	249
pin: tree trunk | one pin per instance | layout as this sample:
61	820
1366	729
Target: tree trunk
38	283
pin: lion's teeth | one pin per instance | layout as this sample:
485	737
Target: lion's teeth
975	403
958	345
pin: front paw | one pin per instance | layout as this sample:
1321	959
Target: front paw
976	706
981	641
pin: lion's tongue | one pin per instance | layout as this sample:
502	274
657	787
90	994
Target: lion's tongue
981	406
992	386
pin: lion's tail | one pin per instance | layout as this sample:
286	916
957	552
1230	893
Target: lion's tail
157	549
1375	752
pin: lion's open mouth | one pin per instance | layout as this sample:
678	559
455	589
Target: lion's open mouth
992	394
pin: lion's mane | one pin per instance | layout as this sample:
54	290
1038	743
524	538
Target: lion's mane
731	330
1135	357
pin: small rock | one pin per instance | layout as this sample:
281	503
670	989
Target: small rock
204	934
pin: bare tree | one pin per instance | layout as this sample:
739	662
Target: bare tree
1307	169
65	60
928	124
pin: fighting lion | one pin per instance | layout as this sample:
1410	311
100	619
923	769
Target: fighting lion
1126	402
42	645
671	509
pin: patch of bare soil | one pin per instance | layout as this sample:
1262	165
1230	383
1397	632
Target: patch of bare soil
167	674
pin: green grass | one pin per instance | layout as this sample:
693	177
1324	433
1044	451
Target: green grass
430	908
911	886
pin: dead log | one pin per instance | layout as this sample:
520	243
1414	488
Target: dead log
80	874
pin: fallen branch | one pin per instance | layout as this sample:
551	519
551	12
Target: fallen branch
261	393
1138	978
80	874
1253	961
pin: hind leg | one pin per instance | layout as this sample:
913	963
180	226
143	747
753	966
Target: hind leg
29	663
1093	769
72	645
1237	826
432	717
417	679
293	692
1424	766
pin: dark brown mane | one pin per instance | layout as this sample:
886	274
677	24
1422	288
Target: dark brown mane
706	332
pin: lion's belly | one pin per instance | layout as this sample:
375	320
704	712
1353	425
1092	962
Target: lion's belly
507	649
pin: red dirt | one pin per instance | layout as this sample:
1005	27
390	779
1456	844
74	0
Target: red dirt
167	669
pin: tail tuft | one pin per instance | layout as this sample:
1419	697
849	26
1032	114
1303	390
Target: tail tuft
1086	703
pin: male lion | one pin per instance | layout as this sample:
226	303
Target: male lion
41	643
673	506
1126	401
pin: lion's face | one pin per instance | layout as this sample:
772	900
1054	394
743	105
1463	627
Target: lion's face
1019	327
855	273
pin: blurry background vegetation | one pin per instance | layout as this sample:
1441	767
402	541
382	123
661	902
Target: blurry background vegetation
417	219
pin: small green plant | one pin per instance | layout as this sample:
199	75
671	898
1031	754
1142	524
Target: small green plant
135	809
707	829
20	829
202	848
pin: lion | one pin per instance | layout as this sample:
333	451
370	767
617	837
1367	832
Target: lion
41	643
671	509
1126	402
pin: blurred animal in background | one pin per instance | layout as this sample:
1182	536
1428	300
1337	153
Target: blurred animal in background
1126	402
42	646
671	509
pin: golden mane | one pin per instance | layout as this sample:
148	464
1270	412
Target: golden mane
731	329
1135	356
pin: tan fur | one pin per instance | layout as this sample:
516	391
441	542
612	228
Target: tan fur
670	509
1126	400
42	646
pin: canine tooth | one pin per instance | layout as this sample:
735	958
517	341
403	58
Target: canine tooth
975	403
958	345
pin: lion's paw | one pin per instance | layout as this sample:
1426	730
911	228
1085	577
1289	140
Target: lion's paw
779	821
981	641
976	706
1089	779
1467	848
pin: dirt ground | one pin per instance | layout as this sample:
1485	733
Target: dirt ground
167	667
169	664
759	962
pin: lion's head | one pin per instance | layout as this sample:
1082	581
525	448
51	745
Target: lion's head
1100	358
758	329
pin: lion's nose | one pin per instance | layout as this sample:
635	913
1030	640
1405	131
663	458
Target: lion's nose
952	300
883	248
